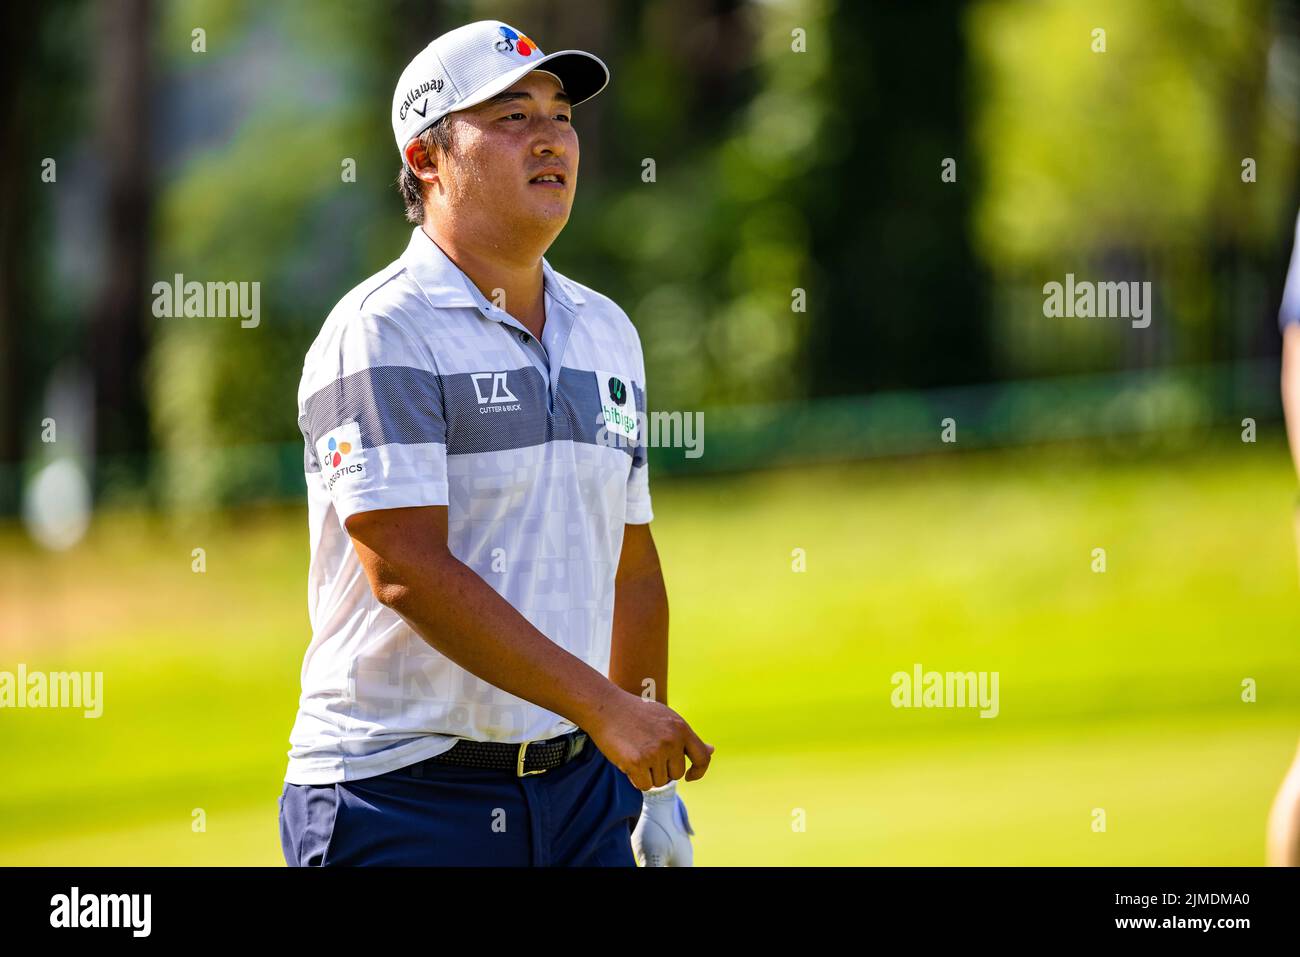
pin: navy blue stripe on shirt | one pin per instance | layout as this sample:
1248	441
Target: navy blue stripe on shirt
470	413
391	404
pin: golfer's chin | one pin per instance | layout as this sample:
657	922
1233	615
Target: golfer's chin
545	216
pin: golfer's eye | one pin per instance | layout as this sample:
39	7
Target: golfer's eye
563	116
513	115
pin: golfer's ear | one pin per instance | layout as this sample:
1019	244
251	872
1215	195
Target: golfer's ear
420	161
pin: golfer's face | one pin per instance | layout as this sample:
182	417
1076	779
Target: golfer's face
504	144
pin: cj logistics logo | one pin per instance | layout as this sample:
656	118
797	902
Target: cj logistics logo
340	453
512	41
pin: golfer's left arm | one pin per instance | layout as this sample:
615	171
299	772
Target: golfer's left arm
638	656
639	652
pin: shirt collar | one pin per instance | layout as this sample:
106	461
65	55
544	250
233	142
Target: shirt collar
445	284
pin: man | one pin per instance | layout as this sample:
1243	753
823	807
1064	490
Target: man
1284	818
487	673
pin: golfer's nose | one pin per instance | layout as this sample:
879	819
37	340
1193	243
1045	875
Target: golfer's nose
548	144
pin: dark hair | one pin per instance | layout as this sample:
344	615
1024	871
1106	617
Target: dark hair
436	137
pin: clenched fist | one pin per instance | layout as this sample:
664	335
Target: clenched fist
648	741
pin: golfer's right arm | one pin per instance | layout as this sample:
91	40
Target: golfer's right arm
412	571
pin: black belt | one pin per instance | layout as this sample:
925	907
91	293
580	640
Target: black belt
530	757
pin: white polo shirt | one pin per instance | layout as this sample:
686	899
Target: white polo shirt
418	391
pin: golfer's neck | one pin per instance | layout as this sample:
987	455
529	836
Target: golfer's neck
519	277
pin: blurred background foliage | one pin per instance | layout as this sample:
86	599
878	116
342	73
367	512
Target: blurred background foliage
1129	165
775	171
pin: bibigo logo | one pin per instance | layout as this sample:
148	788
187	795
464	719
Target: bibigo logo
619	414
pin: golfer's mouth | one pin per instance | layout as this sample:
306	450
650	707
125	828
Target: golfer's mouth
550	179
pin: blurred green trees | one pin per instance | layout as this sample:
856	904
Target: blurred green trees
797	238
285	100
1128	164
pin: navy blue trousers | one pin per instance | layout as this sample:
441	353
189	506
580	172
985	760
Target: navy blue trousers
579	814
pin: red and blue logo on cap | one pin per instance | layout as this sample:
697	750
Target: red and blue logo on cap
514	42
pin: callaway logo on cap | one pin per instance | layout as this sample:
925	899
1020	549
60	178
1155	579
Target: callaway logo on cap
468	65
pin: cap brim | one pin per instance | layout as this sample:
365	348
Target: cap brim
581	74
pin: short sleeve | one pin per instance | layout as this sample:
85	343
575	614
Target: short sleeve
1290	311
638	480
371	415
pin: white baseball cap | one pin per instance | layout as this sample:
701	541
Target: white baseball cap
466	66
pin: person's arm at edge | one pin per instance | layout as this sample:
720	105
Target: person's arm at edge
1291	389
1283	846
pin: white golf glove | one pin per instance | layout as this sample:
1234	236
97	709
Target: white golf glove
662	835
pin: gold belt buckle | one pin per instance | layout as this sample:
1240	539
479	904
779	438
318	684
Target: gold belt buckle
519	765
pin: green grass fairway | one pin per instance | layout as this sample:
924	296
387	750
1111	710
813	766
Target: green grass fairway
1119	691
